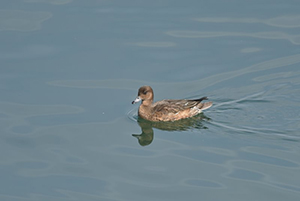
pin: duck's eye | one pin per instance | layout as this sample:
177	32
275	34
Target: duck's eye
145	92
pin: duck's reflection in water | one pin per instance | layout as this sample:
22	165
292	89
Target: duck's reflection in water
147	135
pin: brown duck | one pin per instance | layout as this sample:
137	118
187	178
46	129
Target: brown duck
167	110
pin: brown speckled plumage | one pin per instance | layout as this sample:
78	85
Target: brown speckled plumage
167	110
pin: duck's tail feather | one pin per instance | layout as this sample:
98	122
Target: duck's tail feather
206	105
201	99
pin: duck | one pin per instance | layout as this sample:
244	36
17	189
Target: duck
168	109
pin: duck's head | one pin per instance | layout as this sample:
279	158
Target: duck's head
145	95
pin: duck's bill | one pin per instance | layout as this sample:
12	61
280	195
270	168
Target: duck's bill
138	99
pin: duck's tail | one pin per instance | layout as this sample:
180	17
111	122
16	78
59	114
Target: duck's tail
203	106
201	99
206	105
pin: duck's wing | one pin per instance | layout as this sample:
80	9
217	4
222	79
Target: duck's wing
175	106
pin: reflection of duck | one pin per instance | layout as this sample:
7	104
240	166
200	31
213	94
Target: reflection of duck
168	110
147	135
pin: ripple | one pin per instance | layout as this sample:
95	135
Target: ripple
29	52
245	175
264	35
154	44
220	151
156	168
21	142
51	185
179	88
283	155
203	183
92	84
55	2
269	160
132	114
17	20
284	21
133	151
291	21
24	129
25	110
202	156
287	187
32	164
251	49
276	76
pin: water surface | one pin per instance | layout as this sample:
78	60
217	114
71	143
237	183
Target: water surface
70	69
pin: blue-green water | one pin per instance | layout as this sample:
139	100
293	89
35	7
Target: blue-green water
70	69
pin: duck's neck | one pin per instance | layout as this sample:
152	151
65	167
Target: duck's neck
145	109
146	103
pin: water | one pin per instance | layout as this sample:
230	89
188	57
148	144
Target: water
70	69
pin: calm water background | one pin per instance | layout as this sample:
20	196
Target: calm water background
70	69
